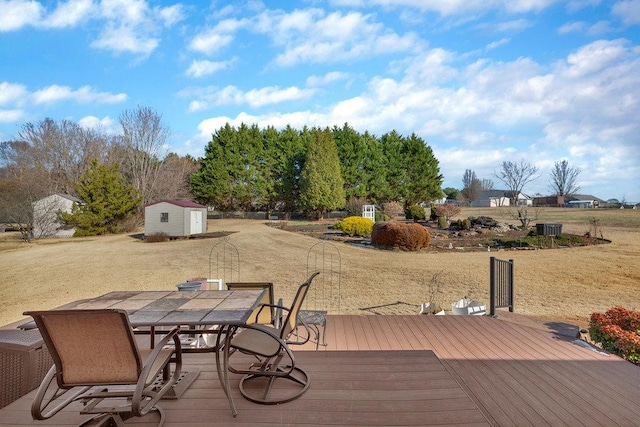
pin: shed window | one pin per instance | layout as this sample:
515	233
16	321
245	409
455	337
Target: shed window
164	217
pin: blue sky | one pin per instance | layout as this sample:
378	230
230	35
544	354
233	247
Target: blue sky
482	81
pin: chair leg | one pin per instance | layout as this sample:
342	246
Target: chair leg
118	419
49	399
261	395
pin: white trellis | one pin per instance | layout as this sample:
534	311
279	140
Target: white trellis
369	211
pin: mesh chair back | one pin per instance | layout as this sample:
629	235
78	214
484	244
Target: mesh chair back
290	323
260	315
90	347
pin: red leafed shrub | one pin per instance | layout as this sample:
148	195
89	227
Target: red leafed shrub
618	331
407	237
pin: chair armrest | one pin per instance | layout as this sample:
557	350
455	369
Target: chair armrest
149	365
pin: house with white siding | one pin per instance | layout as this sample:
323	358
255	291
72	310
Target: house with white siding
46	221
175	218
499	198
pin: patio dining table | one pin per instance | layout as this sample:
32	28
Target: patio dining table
201	311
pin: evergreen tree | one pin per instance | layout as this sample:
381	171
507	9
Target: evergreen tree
375	169
107	200
322	186
391	145
211	185
287	159
423	181
251	186
353	154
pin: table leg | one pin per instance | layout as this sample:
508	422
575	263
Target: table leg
222	367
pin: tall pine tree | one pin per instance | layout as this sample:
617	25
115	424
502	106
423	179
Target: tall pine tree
107	200
322	186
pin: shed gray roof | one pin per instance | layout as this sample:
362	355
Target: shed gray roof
181	203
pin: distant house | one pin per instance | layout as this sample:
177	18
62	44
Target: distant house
176	218
583	201
46	222
499	198
549	201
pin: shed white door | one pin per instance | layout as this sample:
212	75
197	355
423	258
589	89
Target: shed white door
196	222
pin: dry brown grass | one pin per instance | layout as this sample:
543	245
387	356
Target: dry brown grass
563	285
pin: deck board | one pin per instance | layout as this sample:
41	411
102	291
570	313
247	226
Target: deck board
421	370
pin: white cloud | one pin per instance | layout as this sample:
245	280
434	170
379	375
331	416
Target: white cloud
11	116
255	98
123	25
572	27
595	57
170	15
124	39
457	7
18	13
333	76
11	93
205	68
69	14
628	11
498	43
106	124
311	36
132	26
213	40
83	95
210	42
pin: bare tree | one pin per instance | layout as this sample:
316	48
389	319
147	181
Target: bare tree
472	186
19	189
563	179
515	175
174	182
468	178
145	140
45	158
62	149
487	184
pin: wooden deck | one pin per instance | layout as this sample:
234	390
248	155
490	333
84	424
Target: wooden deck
421	370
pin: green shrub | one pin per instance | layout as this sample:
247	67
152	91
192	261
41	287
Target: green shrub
355	226
415	212
407	237
380	216
442	222
464	224
433	216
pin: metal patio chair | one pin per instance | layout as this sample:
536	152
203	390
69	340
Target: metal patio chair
275	362
265	313
325	297
97	361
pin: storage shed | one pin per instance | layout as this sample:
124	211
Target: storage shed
176	218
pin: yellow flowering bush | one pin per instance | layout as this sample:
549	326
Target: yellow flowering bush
355	226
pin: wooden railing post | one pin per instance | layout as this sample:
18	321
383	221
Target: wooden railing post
501	274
